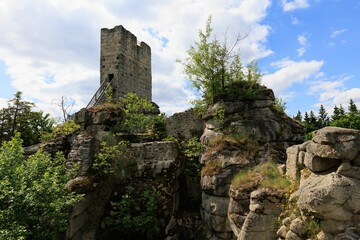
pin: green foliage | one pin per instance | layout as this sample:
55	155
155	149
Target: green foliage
265	175
279	106
248	144
312	224
111	160
219	117
298	117
322	120
347	120
211	168
340	118
134	216
138	117
33	199
214	70
65	128
109	93
19	116
191	148
192	153
352	107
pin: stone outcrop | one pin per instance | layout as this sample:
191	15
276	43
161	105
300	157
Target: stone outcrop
327	168
252	215
156	167
262	134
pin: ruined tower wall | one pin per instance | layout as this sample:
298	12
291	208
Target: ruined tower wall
126	62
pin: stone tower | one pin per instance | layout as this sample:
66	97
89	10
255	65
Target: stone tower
125	62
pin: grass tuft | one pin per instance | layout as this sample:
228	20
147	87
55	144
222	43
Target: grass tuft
265	175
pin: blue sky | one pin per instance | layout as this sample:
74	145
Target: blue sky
308	50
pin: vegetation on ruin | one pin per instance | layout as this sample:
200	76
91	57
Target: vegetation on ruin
33	200
265	175
138	116
62	129
111	160
216	71
134	215
249	145
211	168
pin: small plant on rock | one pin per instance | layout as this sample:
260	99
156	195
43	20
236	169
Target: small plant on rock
211	168
111	160
65	128
265	175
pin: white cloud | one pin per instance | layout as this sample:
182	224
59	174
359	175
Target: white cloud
52	50
303	42
290	72
293	5
295	21
252	11
332	91
3	102
301	51
336	33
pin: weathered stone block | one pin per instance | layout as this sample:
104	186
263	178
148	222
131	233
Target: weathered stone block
318	164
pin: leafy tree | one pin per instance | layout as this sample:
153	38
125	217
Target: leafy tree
348	120
134	215
138	117
216	71
20	117
33	200
64	128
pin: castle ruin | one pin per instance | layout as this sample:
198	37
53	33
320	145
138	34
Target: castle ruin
125	64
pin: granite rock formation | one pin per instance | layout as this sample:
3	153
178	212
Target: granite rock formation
253	132
327	168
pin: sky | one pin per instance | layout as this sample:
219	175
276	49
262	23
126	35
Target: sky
308	50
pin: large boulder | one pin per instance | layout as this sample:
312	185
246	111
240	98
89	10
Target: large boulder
331	197
265	207
335	142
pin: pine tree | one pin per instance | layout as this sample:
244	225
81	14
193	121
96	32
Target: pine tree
352	107
323	119
336	114
298	116
19	116
306	117
312	118
341	110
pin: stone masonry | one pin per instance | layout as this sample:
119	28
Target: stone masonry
125	61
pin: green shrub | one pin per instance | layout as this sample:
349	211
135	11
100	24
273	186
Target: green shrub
192	151
134	216
65	128
265	175
33	198
138	118
211	168
247	143
111	160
